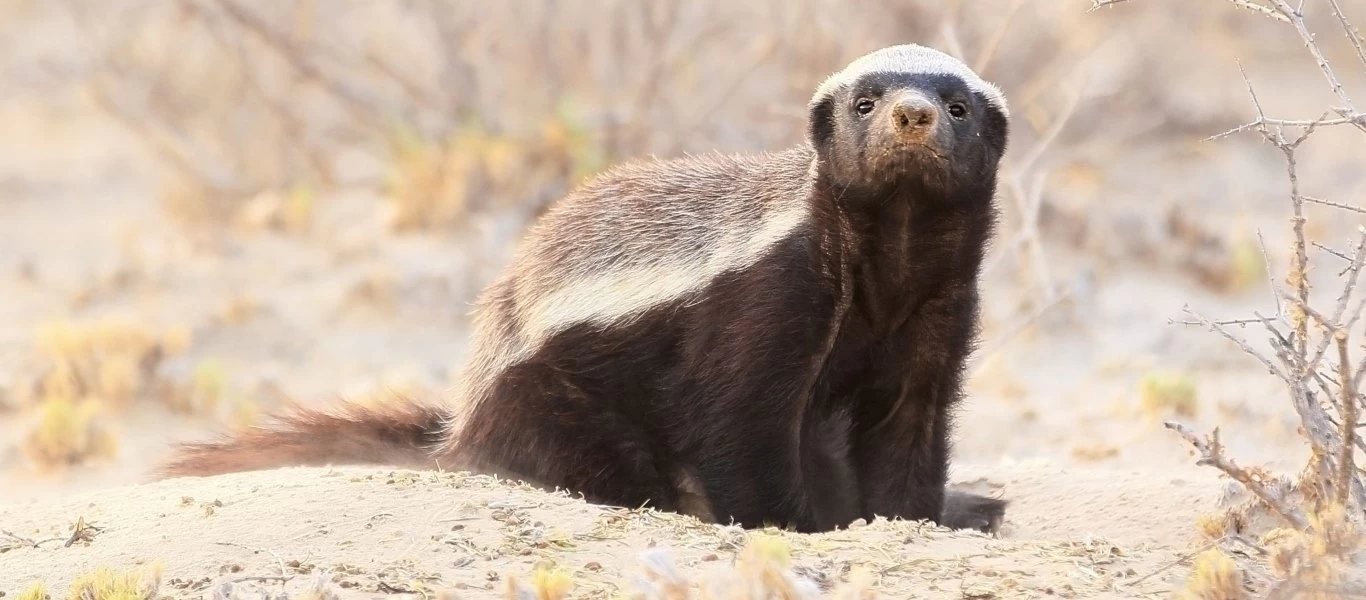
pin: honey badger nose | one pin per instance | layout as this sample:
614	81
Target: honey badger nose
914	113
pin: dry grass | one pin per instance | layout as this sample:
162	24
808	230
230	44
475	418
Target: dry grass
36	591
1162	395
94	369
141	583
68	433
1214	577
105	584
110	359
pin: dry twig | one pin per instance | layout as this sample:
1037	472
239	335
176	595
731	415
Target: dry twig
1212	454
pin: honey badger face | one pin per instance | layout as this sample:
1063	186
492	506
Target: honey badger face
908	115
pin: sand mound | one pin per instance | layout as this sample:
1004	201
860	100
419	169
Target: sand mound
378	532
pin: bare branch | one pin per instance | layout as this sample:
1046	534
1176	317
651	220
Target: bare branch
1297	19
1355	119
1298	278
1212	326
1270	277
1335	204
1353	35
1212	454
1334	322
1349	411
354	101
1334	253
1246	4
1353	274
1227	322
1360	373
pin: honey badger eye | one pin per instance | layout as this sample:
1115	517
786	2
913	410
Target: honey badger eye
864	106
958	110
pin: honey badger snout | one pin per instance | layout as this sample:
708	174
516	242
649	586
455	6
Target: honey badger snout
914	117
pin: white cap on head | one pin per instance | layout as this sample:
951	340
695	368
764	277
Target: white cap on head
915	59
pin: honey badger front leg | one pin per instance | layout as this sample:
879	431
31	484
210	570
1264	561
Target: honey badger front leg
904	419
748	423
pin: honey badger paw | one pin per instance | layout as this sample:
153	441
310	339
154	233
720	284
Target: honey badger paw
971	511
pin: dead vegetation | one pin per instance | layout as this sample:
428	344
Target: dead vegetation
89	370
1310	352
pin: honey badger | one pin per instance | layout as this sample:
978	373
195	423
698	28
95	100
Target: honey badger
765	339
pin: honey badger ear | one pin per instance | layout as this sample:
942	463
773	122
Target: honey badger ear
820	127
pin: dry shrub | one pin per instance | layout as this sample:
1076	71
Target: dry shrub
437	185
459	115
260	109
36	591
111	360
1214	577
1315	565
205	392
142	583
105	584
1164	394
94	369
546	584
1309	352
91	368
68	433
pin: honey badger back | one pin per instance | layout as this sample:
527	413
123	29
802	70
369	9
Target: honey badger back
766	339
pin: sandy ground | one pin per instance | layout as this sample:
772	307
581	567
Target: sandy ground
379	532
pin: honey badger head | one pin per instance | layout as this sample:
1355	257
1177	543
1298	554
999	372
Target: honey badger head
908	117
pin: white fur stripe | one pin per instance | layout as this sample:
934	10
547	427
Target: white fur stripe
619	295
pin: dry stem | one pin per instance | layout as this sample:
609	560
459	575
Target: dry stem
1350	409
1212	454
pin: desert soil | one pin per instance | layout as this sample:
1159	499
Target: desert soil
374	532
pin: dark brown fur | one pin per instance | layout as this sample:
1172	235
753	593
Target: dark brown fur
808	389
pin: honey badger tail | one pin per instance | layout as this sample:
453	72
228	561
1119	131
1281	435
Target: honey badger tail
399	435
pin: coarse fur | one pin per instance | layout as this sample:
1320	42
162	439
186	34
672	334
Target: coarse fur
765	339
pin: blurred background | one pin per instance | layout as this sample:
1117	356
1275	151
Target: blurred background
212	207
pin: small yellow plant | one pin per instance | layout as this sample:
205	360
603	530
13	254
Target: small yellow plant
68	434
436	183
296	212
427	185
1212	526
105	584
36	591
208	383
547	583
108	359
1161	394
1247	264
1218	525
1214	577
